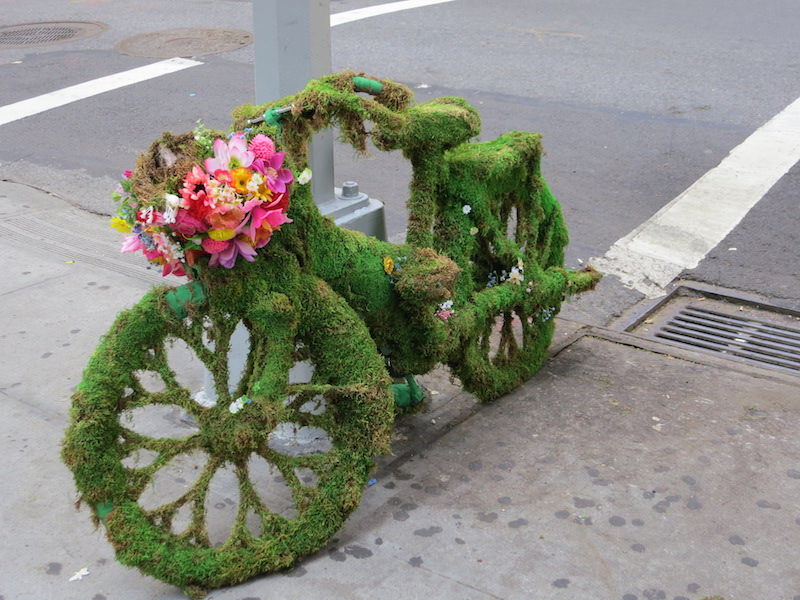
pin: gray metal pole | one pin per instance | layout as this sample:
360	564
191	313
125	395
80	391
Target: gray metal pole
292	44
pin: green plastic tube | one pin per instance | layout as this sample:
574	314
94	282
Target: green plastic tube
362	84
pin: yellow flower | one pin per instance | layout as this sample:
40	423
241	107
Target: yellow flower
120	225
388	265
241	177
222	235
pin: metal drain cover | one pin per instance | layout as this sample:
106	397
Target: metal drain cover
28	35
185	42
728	328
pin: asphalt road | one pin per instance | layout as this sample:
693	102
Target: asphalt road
635	101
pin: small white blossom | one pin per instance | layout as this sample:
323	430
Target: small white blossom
466	209
238	404
255	182
148	215
171	212
304	177
516	276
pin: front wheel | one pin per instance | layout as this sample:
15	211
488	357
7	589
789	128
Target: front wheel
208	494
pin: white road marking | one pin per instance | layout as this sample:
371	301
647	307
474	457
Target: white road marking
33	106
382	9
680	235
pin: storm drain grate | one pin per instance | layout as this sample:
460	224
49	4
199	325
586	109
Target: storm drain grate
41	34
746	338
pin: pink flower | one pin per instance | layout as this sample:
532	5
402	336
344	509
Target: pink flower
214	246
173	266
444	314
229	155
262	146
132	243
277	177
259	216
188	225
276	218
227	258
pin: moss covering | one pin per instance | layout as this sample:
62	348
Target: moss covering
461	291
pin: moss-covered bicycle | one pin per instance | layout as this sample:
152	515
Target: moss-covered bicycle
476	287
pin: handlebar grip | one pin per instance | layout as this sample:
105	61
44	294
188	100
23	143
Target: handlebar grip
370	86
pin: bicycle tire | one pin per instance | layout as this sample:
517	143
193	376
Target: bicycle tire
496	214
357	417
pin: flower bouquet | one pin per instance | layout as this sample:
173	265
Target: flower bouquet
227	207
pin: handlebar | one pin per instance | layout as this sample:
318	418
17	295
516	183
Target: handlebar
272	116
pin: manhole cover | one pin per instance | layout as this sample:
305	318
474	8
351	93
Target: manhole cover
185	42
41	34
730	327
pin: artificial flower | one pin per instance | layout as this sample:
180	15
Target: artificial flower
304	177
516	276
227	258
173	203
120	225
213	246
239	404
277	177
187	225
222	234
262	147
388	265
229	155
466	209
240	178
225	209
445	311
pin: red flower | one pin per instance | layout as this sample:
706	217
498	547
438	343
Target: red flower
195	196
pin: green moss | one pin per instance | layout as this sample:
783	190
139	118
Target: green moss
334	297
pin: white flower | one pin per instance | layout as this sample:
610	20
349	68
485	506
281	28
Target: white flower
516	276
520	264
238	404
304	177
466	209
171	212
255	182
147	215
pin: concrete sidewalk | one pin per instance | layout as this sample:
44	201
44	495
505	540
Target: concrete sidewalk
624	470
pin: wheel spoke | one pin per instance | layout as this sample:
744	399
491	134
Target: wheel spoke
139	479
